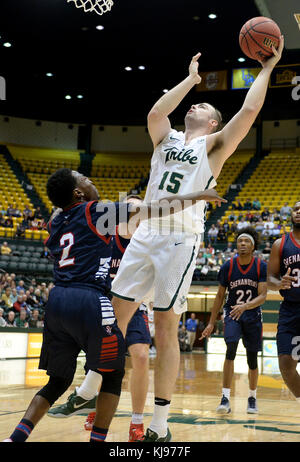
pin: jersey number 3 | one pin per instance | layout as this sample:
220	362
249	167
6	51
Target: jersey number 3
67	238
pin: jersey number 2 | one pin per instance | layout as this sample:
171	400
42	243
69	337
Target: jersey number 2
65	261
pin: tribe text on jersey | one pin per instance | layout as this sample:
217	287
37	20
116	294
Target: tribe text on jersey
179	169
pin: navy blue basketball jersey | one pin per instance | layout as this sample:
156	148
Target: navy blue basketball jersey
242	283
80	242
290	258
119	245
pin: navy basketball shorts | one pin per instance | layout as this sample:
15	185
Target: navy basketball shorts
138	329
249	330
288	328
80	319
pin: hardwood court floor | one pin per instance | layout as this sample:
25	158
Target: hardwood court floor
192	415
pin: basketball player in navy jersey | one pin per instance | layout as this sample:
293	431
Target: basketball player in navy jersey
79	316
137	341
284	276
244	276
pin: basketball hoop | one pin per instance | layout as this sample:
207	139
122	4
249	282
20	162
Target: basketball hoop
98	6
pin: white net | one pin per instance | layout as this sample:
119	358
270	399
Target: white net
97	6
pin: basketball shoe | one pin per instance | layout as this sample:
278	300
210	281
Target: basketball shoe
88	424
252	406
224	406
74	405
136	432
152	437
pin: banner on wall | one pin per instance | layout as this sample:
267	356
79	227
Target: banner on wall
34	345
212	81
243	78
283	76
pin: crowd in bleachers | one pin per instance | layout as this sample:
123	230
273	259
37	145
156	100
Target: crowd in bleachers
31	219
270	224
22	302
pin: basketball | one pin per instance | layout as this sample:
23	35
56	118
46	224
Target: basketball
257	36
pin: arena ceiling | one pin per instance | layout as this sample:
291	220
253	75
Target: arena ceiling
88	63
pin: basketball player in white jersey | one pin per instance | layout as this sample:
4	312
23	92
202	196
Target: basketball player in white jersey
161	255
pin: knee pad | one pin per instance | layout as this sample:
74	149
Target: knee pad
112	382
252	359
54	389
231	350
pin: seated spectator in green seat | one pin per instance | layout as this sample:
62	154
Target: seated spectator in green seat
21	320
6	298
10	320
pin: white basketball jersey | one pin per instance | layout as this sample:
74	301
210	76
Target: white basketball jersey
179	169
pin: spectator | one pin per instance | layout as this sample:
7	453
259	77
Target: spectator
21	320
256	204
45	253
259	226
266	233
285	211
14	295
226	226
221	234
6	298
38	214
20	230
10	321
212	234
238	205
2	320
183	339
9	223
191	325
267	249
10	210
229	247
20	286
276	231
249	216
265	214
248	205
19	304
27	213
242	224
5	250
34	318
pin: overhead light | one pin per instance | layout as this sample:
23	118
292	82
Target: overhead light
49	74
7	44
212	16
142	68
128	68
99	27
241	60
68	97
79	96
165	90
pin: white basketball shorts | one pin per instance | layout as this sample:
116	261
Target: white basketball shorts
158	263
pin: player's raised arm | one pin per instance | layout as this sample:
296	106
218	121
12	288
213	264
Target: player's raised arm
222	144
158	121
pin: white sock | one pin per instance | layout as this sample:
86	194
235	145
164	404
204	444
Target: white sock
90	386
159	420
252	393
226	392
137	419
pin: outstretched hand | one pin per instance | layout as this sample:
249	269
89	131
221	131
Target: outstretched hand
193	68
273	60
